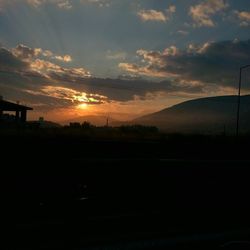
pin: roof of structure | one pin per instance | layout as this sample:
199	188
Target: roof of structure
10	106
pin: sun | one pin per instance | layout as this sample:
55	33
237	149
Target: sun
83	106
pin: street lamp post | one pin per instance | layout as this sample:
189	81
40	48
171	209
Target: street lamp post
239	95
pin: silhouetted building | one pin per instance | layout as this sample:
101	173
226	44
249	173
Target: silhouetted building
20	111
41	119
75	125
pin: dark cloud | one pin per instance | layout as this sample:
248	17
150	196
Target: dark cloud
9	62
39	80
215	63
211	63
24	52
126	90
196	71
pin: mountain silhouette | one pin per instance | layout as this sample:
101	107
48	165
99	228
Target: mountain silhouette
205	115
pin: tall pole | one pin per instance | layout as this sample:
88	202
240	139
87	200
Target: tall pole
107	124
238	109
239	95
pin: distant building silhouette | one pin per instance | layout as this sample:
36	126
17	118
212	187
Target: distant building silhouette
41	121
75	125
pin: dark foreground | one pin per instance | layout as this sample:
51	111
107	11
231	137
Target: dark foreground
175	193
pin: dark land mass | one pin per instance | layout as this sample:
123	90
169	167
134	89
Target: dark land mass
126	188
210	115
96	120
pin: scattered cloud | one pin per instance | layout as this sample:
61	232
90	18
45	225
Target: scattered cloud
183	32
171	9
99	3
66	58
55	86
210	63
51	70
152	15
117	55
244	17
47	53
68	94
143	70
26	53
155	15
62	4
24	60
202	13
154	63
199	70
9	62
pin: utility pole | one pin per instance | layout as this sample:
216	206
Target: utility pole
107	125
239	95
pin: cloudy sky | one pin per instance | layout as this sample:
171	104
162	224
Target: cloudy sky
121	58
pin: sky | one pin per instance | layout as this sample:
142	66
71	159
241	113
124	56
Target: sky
120	58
